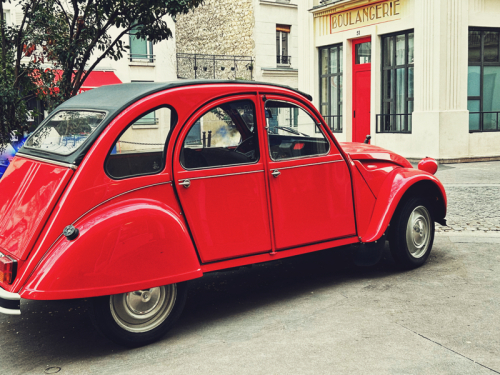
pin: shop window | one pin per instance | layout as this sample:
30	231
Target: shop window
330	83
140	49
397	83
282	40
140	151
483	80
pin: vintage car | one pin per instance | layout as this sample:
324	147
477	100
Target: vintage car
126	192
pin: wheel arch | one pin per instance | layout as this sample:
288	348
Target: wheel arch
400	185
123	246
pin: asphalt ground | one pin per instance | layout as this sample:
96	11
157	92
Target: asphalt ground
311	314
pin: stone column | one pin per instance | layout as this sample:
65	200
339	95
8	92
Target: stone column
307	51
440	120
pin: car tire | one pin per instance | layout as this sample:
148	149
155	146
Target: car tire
141	317
412	233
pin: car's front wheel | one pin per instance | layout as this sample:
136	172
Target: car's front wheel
140	317
412	233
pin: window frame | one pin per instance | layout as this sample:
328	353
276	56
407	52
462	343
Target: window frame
280	34
316	123
174	121
328	76
198	119
482	64
408	123
138	56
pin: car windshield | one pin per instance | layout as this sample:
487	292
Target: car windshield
65	132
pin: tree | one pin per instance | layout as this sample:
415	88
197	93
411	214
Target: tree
74	36
20	80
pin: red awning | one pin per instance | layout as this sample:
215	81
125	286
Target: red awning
99	78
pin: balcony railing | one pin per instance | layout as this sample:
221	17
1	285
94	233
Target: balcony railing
284	60
484	122
334	122
143	57
200	66
394	123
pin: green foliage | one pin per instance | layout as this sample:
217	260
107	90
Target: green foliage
73	37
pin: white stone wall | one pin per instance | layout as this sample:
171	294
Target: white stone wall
267	15
441	119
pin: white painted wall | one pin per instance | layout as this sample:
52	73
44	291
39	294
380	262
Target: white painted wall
267	15
440	121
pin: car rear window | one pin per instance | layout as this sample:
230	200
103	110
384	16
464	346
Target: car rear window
65	132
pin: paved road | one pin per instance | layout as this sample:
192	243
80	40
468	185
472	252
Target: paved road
312	314
473	191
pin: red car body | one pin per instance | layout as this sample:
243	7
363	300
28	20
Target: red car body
149	230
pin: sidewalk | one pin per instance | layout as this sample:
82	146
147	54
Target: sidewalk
473	191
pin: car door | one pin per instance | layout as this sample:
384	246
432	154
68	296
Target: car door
309	181
220	180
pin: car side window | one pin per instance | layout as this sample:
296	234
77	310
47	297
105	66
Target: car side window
292	132
139	149
224	135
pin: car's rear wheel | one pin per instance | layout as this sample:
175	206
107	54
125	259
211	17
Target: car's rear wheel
412	233
140	317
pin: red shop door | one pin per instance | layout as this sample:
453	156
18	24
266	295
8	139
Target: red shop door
361	58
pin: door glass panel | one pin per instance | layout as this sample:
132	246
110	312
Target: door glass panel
363	53
490	46
474	81
491	96
139	150
340	59
388	49
474	46
324	61
411	48
491	88
410	82
400	49
224	135
473	106
334	94
333	60
324	90
287	141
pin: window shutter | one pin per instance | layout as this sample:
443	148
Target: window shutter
283	28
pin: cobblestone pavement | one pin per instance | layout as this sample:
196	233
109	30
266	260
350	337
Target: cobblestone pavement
473	191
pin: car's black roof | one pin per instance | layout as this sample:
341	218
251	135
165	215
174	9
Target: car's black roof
114	99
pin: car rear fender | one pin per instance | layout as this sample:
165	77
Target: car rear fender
122	246
400	184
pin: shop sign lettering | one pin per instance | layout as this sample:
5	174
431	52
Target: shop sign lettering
366	15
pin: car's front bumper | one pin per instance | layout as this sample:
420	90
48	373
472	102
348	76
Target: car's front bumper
10	303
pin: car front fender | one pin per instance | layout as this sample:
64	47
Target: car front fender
123	246
398	184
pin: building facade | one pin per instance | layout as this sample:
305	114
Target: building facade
421	77
248	39
144	62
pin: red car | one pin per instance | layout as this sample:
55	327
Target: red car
127	192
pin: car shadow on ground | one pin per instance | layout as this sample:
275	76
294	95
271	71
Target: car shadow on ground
59	330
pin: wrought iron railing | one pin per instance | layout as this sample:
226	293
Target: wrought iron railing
199	66
284	60
394	123
140	56
334	122
484	122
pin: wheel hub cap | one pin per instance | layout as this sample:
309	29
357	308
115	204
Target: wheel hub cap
143	310
418	231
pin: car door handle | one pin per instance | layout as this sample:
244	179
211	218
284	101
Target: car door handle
186	183
275	173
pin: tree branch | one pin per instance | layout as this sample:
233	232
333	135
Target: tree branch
79	83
